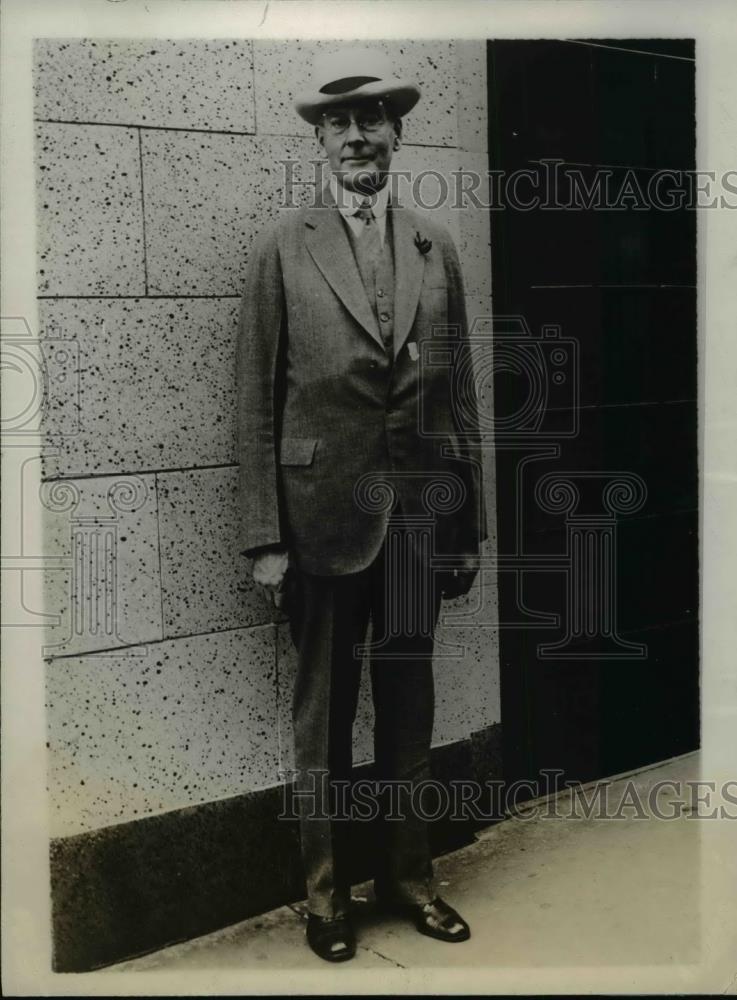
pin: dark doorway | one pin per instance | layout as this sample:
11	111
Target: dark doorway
610	294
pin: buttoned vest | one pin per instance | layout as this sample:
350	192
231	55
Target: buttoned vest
377	273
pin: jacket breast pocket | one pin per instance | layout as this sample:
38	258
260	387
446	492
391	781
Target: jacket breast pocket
297	451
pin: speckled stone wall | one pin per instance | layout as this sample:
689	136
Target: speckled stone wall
169	675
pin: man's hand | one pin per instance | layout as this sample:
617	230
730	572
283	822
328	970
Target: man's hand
269	570
457	582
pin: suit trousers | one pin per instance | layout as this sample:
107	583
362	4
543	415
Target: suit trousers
329	618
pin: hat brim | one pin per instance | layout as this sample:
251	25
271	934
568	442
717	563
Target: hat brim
400	93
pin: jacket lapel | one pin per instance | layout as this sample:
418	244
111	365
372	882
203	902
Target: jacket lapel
329	246
409	268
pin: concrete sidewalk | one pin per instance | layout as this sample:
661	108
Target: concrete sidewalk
555	904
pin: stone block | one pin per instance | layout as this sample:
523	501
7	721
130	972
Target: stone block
466	681
474	222
184	83
207	198
191	721
473	98
90	214
206	583
155	382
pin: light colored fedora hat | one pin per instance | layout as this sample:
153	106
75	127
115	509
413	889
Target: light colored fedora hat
353	74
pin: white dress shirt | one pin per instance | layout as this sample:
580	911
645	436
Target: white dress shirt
349	202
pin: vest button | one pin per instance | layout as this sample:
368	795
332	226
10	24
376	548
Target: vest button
380	292
384	317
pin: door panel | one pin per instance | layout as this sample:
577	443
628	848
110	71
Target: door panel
622	284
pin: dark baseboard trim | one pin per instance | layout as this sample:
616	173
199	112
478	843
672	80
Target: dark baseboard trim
133	888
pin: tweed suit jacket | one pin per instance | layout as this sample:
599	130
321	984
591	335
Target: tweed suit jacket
329	425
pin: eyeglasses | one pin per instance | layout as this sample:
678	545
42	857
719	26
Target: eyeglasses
338	122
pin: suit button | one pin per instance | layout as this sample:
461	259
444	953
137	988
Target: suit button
384	317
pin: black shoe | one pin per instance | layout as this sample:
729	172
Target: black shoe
331	938
436	919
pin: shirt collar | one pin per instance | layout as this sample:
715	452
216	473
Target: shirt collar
349	201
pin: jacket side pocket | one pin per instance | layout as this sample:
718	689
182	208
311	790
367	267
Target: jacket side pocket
297	451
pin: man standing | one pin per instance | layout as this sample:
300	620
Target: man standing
359	473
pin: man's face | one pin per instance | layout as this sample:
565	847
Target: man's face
359	140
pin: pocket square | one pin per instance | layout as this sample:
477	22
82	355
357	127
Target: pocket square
413	351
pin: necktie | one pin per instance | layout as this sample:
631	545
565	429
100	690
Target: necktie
368	251
369	239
